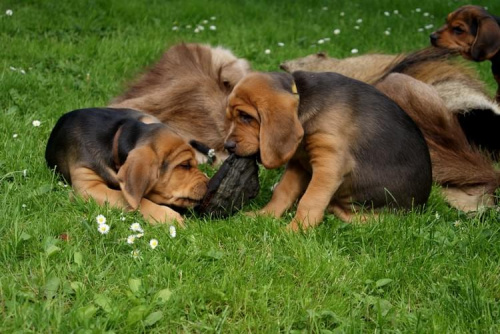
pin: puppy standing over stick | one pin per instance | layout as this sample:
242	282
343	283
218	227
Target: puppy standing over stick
113	156
345	144
475	33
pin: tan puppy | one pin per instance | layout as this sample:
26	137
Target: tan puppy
113	157
346	146
475	33
188	89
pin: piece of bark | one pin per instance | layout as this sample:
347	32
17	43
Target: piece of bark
235	183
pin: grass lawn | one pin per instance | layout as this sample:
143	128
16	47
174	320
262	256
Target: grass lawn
434	271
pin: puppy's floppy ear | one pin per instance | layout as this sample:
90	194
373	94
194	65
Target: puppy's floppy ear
280	128
138	174
487	42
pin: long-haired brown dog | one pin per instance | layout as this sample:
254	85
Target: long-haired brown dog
463	170
188	89
113	156
475	34
345	145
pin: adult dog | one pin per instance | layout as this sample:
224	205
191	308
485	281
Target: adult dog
475	34
188	89
346	146
464	102
113	156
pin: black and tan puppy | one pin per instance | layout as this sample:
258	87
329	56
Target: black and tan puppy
475	33
116	157
345	144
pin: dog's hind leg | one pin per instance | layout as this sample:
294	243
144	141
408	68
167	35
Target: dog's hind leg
89	184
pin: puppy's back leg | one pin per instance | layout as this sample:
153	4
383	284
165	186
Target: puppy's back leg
89	184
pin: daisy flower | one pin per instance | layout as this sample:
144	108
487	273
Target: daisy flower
281	44
267	51
14	135
140	235
135	253
136	227
9	12
212	27
36	123
153	243
100	219
336	31
103	228
354	51
130	239
172	231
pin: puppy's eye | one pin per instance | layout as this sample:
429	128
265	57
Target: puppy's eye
227	84
244	117
457	30
185	165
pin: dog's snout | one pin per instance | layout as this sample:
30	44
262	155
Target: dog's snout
433	37
230	146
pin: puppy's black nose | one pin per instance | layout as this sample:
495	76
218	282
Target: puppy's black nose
284	67
230	146
433	38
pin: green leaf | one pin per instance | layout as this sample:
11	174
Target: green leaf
77	286
41	190
384	306
136	314
52	249
103	302
382	282
153	318
51	287
86	313
134	284
162	296
78	258
25	236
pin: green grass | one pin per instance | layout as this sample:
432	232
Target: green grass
434	271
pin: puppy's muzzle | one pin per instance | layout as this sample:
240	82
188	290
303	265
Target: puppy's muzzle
230	146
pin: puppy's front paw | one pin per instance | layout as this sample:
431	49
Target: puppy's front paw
159	214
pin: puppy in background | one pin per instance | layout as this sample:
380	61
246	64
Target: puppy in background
188	89
127	159
467	177
475	34
346	146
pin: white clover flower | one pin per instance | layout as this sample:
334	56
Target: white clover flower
429	26
36	123
457	223
359	21
267	51
130	239
281	44
212	27
172	231
321	41
354	51
123	218
15	135
153	243
136	227
24	206
387	32
22	71
387	13
100	219
140	235
201	28
103	228
196	30
336	31
9	12
135	253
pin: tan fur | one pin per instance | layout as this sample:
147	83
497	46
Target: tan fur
187	89
457	166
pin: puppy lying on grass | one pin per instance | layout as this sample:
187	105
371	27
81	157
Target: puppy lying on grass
127	159
346	146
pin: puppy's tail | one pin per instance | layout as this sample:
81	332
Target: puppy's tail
455	162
